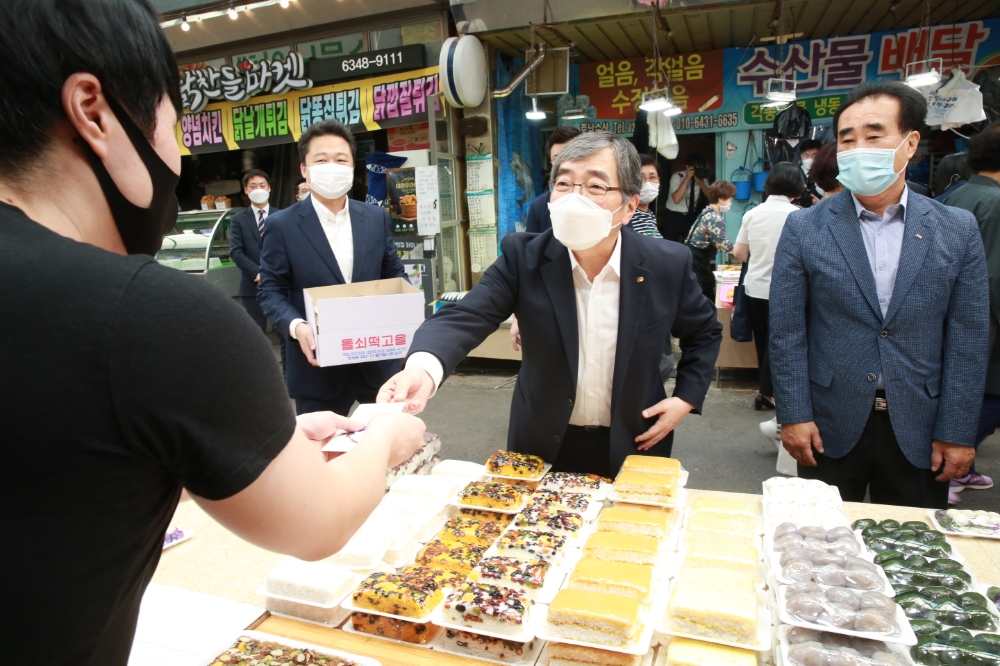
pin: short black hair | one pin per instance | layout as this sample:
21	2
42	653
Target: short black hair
785	180
46	41
950	169
695	160
561	134
253	173
326	128
824	169
810	144
983	150
912	105
645	159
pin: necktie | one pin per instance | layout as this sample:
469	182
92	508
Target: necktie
260	222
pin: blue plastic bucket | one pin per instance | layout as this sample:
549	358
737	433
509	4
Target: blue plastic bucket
760	177
742	186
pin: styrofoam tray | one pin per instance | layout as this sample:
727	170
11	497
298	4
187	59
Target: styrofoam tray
904	637
781	649
292	643
527	627
641	646
329	625
864	552
680	500
262	591
778	575
763	643
457	502
187	535
349	628
527	659
758	524
647	659
760	578
545	470
941	528
955	553
405	556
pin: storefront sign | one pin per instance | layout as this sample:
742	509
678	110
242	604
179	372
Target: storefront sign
214	62
399	59
370	104
331	47
277	53
825	71
238	84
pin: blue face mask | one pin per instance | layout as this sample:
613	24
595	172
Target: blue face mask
869	171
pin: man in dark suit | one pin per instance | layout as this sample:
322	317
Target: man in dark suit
880	319
595	306
325	239
246	233
538	212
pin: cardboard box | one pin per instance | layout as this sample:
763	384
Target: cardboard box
365	321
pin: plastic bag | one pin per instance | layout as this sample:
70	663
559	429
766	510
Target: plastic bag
662	136
792	123
956	103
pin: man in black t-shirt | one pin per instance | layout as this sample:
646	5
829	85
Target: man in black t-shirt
124	381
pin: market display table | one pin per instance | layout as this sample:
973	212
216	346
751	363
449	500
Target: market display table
217	562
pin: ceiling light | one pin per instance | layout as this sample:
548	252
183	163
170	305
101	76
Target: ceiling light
185	26
929	73
573	114
655	100
673	111
232	11
535	113
778	90
284	4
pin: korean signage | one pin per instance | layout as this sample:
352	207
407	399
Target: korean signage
392	100
330	47
239	83
825	71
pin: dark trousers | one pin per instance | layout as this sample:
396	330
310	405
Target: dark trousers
989	420
257	314
357	390
701	264
759	311
587	450
877	464
675	226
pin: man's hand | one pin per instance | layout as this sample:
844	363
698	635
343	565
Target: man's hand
957	459
320	427
257	279
672	411
515	335
307	341
412	386
800	439
689	174
404	433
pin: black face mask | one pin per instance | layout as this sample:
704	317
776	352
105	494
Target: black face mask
141	229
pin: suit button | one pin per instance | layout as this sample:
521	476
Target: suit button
557	438
570	401
872	376
884	334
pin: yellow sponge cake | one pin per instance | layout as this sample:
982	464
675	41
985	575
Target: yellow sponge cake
645	486
654	464
686	652
733	553
714	603
621	578
594	617
736	507
618	547
722	523
634	521
564	654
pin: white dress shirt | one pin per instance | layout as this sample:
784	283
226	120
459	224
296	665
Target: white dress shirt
597	308
256	212
761	230
337	227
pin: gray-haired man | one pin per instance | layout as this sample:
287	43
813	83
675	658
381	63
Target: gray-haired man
595	306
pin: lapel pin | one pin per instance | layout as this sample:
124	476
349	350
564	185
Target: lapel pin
920	237
640	279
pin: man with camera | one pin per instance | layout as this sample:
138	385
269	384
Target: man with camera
688	196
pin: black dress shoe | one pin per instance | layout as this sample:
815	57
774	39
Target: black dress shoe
762	403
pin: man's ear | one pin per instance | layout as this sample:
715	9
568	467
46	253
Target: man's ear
87	111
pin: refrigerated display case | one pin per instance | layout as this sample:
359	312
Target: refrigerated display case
199	245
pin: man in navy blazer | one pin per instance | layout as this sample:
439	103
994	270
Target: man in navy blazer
538	212
246	232
879	319
325	239
593	323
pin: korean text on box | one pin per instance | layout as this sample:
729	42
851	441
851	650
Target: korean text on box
364	321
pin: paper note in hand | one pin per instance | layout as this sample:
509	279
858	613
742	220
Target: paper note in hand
345	441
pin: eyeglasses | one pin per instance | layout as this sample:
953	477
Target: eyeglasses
593	191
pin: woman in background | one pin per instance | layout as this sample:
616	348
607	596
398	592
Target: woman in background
708	235
824	170
644	219
756	243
